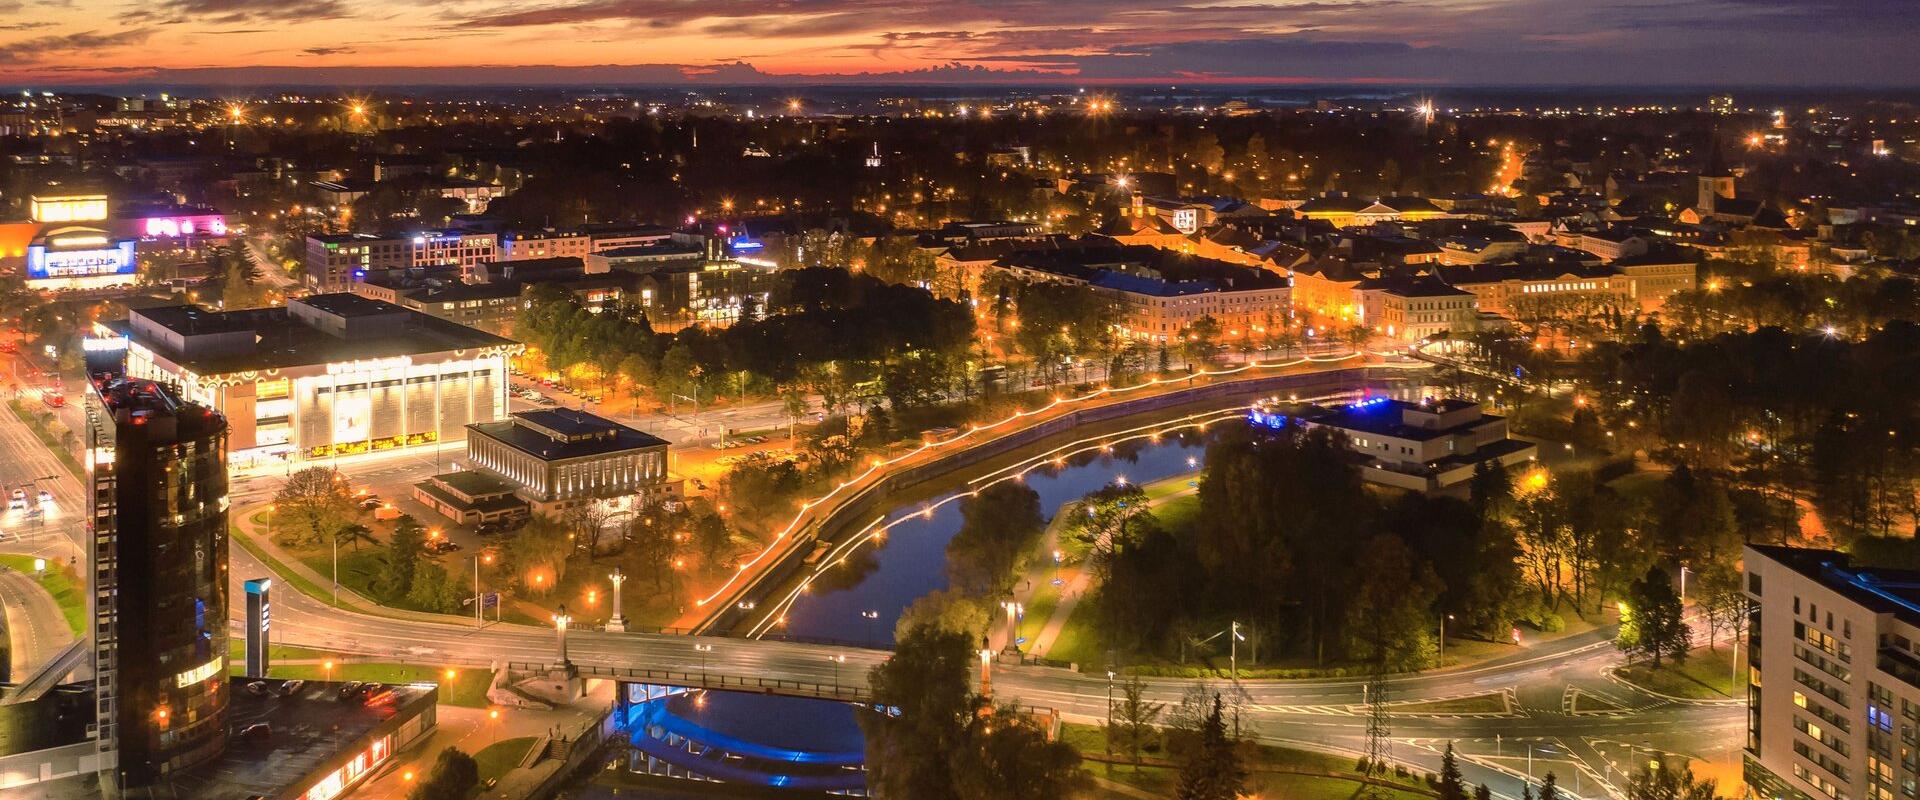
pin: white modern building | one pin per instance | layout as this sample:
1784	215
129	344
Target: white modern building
327	375
1833	701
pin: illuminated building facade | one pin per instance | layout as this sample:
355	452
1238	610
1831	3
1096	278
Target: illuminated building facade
1424	446
77	258
334	260
327	375
158	469
561	457
1833	692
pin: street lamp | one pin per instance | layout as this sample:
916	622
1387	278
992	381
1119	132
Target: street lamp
703	649
837	659
872	617
1014	608
986	670
560	622
327	666
1441	660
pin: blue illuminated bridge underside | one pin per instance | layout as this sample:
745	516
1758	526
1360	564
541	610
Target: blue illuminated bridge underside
815	753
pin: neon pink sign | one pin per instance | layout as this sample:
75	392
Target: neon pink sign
158	227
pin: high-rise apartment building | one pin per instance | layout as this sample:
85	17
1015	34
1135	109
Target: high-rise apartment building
1834	697
157	467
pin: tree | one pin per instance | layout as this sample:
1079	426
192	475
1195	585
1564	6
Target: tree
1131	724
1215	771
538	553
454	776
1664	783
587	524
1451	786
1202	341
947	609
1549	788
355	534
404	552
435	590
1102	518
315	502
714	538
1389	619
1011	758
1650	625
926	680
1721	601
999	525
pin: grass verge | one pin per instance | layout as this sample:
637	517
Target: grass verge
59	580
1273	771
1705	675
43	431
502	757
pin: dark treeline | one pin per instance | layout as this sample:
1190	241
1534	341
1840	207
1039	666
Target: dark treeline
845	336
1783	413
1291	544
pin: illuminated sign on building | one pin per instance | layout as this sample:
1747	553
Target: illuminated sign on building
369	365
200	673
48	262
72	208
171	227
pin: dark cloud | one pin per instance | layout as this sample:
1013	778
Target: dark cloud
327	51
42	48
230	12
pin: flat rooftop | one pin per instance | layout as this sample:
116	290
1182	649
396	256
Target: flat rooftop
281	341
1885	590
308	731
564	433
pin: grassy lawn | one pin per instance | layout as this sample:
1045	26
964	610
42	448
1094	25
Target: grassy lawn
60	582
306	587
499	758
237	653
1705	675
467	688
1276	771
1490	703
1178	513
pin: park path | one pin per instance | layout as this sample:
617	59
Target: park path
1078	579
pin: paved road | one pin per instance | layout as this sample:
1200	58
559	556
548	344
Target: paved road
36	630
1597	742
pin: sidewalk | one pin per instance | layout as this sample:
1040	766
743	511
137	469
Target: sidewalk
316	586
1078	579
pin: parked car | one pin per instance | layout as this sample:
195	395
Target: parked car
255	732
292	687
349	691
19	499
257	688
440	546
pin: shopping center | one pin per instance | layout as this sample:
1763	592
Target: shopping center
327	375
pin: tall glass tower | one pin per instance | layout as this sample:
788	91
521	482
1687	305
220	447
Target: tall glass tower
158	470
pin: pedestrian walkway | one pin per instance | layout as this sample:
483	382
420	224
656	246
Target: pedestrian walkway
1078	580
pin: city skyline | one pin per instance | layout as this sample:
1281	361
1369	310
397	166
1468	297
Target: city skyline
1356	42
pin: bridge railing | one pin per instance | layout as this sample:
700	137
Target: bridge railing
733	683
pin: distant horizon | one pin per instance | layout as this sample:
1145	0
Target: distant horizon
1541	43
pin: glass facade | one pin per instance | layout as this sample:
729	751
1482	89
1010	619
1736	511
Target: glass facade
158	470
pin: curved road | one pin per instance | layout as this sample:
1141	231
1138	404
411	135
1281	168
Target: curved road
1557	703
36	629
